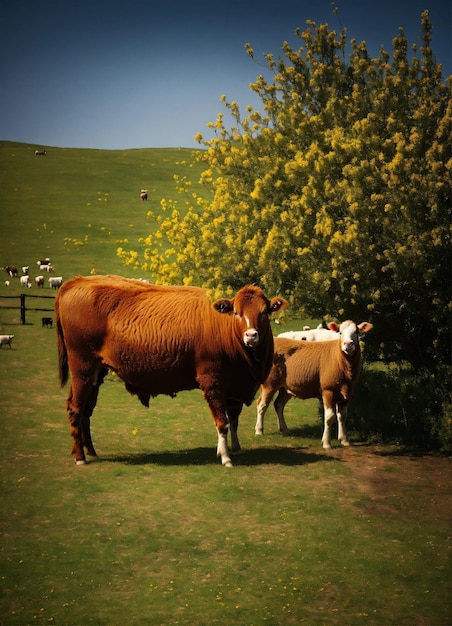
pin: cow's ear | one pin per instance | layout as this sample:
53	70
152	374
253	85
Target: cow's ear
364	327
277	304
333	326
223	306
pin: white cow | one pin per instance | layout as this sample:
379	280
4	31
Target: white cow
5	340
25	281
315	334
39	280
55	282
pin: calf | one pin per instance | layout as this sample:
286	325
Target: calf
39	280
25	281
144	194
47	322
6	340
328	370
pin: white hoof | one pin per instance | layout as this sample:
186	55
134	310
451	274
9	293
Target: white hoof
259	432
82	462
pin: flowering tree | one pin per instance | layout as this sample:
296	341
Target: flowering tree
336	194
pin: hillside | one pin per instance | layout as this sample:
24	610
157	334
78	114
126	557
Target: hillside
77	206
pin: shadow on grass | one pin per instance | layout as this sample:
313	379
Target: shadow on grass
308	431
206	456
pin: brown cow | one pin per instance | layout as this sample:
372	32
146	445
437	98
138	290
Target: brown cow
11	270
162	340
315	369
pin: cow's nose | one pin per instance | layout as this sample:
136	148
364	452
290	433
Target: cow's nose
251	337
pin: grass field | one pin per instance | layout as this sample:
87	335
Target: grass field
156	531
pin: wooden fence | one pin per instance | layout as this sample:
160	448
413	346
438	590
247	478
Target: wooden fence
23	307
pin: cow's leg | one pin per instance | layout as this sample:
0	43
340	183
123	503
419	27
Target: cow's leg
282	399
75	419
341	411
329	418
262	405
88	411
217	406
85	422
234	411
80	398
87	442
222	447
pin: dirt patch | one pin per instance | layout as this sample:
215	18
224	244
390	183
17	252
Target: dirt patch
388	478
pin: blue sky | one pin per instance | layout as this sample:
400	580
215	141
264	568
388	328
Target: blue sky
137	73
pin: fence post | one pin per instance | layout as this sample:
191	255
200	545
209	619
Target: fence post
22	308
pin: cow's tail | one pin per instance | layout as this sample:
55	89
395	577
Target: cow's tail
63	366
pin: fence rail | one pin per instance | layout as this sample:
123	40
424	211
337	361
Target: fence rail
23	307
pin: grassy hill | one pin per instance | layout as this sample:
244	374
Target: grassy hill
77	206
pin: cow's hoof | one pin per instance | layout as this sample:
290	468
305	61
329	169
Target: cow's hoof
80	462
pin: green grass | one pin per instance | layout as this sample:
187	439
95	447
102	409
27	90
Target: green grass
156	531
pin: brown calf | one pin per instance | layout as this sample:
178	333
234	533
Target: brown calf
328	370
